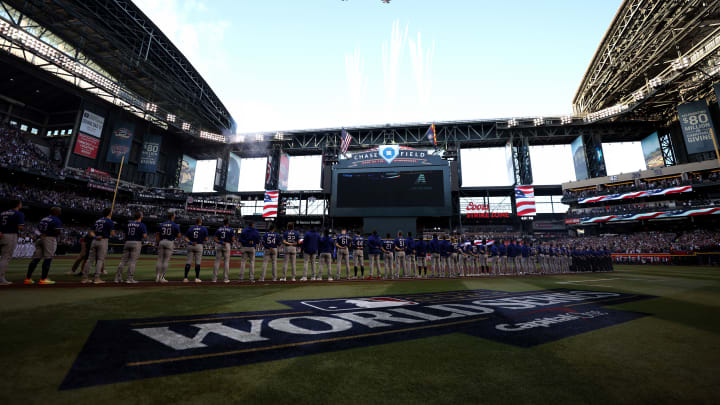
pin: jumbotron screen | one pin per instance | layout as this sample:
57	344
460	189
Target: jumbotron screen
391	189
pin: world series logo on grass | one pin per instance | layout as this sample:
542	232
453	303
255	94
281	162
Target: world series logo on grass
124	350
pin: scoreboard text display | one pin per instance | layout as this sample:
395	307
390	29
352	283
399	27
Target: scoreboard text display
391	189
391	180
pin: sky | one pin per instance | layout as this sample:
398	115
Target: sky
289	64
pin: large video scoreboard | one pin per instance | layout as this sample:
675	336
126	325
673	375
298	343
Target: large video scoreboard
414	183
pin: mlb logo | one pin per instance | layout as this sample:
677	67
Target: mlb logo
389	152
344	304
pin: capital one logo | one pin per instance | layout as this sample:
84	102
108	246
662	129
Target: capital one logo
389	152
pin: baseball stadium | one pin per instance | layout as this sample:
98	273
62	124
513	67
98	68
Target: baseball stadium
155	248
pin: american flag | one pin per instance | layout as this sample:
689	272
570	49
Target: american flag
525	201
346	139
270	209
431	135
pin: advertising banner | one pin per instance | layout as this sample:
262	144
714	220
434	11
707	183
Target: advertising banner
92	124
232	181
284	170
578	153
697	127
187	174
120	142
150	154
652	152
86	145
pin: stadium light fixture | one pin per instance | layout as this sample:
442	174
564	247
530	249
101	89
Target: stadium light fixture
259	137
566	120
212	136
150	107
655	82
512	123
171	118
279	136
538	121
186	126
638	95
681	63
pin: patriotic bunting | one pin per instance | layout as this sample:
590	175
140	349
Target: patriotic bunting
637	194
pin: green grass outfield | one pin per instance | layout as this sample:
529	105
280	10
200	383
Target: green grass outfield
671	356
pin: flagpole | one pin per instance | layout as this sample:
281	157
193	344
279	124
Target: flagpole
117	183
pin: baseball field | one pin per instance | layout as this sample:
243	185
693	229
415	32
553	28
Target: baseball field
641	334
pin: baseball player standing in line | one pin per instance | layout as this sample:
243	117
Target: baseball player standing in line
12	222
270	244
358	244
374	245
165	239
103	229
342	243
249	239
388	245
311	241
50	228
290	241
196	236
224	237
399	245
135	235
325	248
434	250
410	255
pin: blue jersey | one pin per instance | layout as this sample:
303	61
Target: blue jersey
270	240
197	234
169	230
434	246
326	244
103	228
525	249
50	226
409	245
11	220
444	248
374	244
136	231
400	244
344	240
493	250
512	250
358	242
420	247
388	244
224	234
249	237
311	240
291	237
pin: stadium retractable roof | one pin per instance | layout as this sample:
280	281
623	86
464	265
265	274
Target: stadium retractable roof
655	54
125	43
